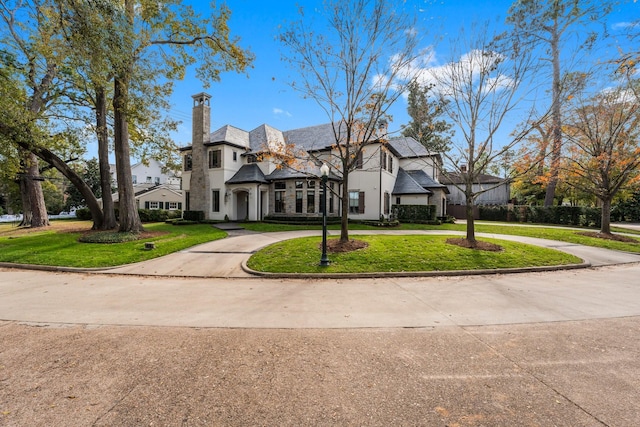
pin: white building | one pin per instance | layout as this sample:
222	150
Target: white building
225	177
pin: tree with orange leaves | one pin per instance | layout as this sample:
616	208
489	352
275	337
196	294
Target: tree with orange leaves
603	156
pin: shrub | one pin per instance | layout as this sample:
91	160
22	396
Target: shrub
108	237
193	215
413	213
83	214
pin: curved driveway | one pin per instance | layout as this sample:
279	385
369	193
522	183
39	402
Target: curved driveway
205	286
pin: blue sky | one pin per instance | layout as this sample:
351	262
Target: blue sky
264	96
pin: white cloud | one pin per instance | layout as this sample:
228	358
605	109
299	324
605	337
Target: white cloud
623	25
281	112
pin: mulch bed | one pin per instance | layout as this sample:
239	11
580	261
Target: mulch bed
336	246
477	245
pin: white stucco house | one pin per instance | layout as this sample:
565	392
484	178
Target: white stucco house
150	173
225	176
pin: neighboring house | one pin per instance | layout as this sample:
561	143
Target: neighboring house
498	189
225	177
150	174
163	196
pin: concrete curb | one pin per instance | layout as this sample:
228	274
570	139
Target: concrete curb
394	274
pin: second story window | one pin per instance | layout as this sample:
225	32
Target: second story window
187	162
215	159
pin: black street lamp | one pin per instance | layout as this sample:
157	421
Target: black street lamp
324	171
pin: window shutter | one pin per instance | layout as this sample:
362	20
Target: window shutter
160	205
180	205
146	205
361	202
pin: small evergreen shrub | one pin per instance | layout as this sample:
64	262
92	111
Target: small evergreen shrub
193	215
413	213
83	214
108	237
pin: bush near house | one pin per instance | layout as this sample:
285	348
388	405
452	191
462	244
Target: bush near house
414	213
562	215
193	216
146	215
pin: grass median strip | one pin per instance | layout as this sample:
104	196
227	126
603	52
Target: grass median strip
60	246
402	253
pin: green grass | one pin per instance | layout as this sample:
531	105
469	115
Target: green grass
400	254
62	248
562	234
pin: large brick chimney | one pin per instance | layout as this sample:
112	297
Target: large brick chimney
199	186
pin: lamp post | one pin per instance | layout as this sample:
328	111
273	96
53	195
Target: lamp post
324	172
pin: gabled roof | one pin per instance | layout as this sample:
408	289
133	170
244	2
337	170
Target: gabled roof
457	178
250	173
422	178
406	184
230	134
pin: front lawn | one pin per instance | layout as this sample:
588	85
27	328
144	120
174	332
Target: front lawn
59	244
387	253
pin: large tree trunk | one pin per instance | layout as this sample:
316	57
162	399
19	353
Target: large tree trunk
605	226
109	216
471	226
556	119
129	217
26	202
39	216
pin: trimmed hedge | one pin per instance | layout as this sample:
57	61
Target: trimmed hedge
413	213
193	215
562	215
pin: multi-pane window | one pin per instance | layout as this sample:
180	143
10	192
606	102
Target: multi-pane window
187	162
154	205
311	201
157	180
173	206
215	159
387	202
299	200
391	164
356	202
134	179
280	189
215	200
383	159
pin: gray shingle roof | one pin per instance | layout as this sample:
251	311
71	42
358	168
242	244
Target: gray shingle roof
265	136
312	138
408	147
248	173
457	178
423	179
230	134
406	184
